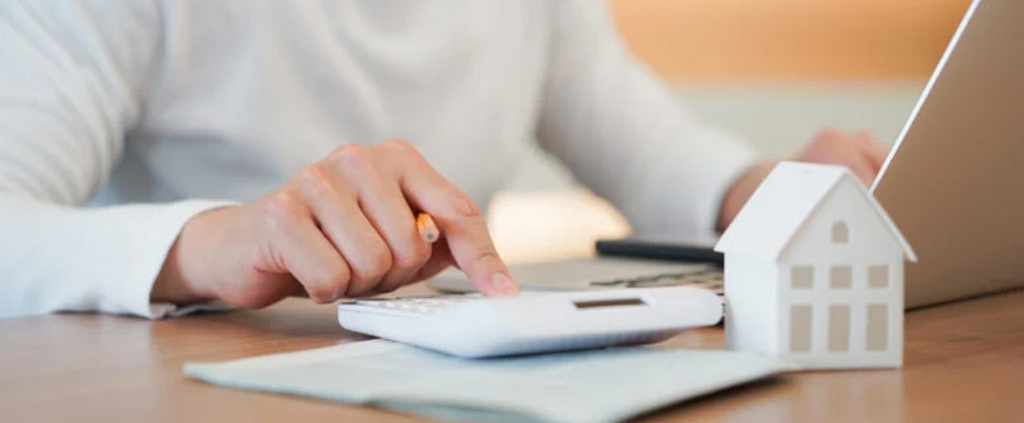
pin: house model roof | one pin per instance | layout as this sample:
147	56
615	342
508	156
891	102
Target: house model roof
784	201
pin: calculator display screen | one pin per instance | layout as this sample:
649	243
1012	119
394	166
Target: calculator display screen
617	302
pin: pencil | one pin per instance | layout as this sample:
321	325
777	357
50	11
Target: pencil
427	229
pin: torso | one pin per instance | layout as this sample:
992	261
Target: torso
247	93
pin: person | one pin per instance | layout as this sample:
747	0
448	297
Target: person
159	154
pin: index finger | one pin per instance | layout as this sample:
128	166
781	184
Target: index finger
463	227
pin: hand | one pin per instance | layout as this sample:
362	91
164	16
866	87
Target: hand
861	153
343	227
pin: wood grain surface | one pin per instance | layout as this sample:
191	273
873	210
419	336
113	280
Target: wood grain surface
964	362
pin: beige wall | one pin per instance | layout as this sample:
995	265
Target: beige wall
789	39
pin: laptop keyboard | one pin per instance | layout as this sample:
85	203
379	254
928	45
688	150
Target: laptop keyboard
710	279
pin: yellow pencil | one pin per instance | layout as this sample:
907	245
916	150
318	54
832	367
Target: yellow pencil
427	228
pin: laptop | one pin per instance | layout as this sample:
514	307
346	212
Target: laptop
953	182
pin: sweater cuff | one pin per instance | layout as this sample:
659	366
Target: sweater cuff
168	310
724	171
693	216
148	247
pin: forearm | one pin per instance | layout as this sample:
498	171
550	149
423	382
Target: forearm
625	135
58	258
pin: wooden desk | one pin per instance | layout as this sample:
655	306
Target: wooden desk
964	362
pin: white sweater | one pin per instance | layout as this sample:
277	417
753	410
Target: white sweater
150	111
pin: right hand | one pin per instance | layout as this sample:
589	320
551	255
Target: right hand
343	227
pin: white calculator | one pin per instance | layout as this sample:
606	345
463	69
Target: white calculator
473	326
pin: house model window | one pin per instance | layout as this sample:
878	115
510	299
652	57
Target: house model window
878	276
841	277
840	233
803	277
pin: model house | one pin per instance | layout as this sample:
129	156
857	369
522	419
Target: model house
814	272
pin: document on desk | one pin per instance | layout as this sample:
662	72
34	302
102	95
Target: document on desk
597	386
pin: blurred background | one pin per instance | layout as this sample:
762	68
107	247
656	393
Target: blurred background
771	71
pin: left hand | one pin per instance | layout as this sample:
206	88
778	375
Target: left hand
860	152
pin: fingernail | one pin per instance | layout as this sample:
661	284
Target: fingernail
338	293
504	285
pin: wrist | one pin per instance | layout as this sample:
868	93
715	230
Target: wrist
181	278
741	190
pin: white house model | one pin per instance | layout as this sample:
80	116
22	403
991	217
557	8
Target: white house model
814	272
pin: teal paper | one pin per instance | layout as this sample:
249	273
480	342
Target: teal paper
596	386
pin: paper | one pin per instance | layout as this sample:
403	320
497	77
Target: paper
608	385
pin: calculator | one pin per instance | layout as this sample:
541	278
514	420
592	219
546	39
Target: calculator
473	326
